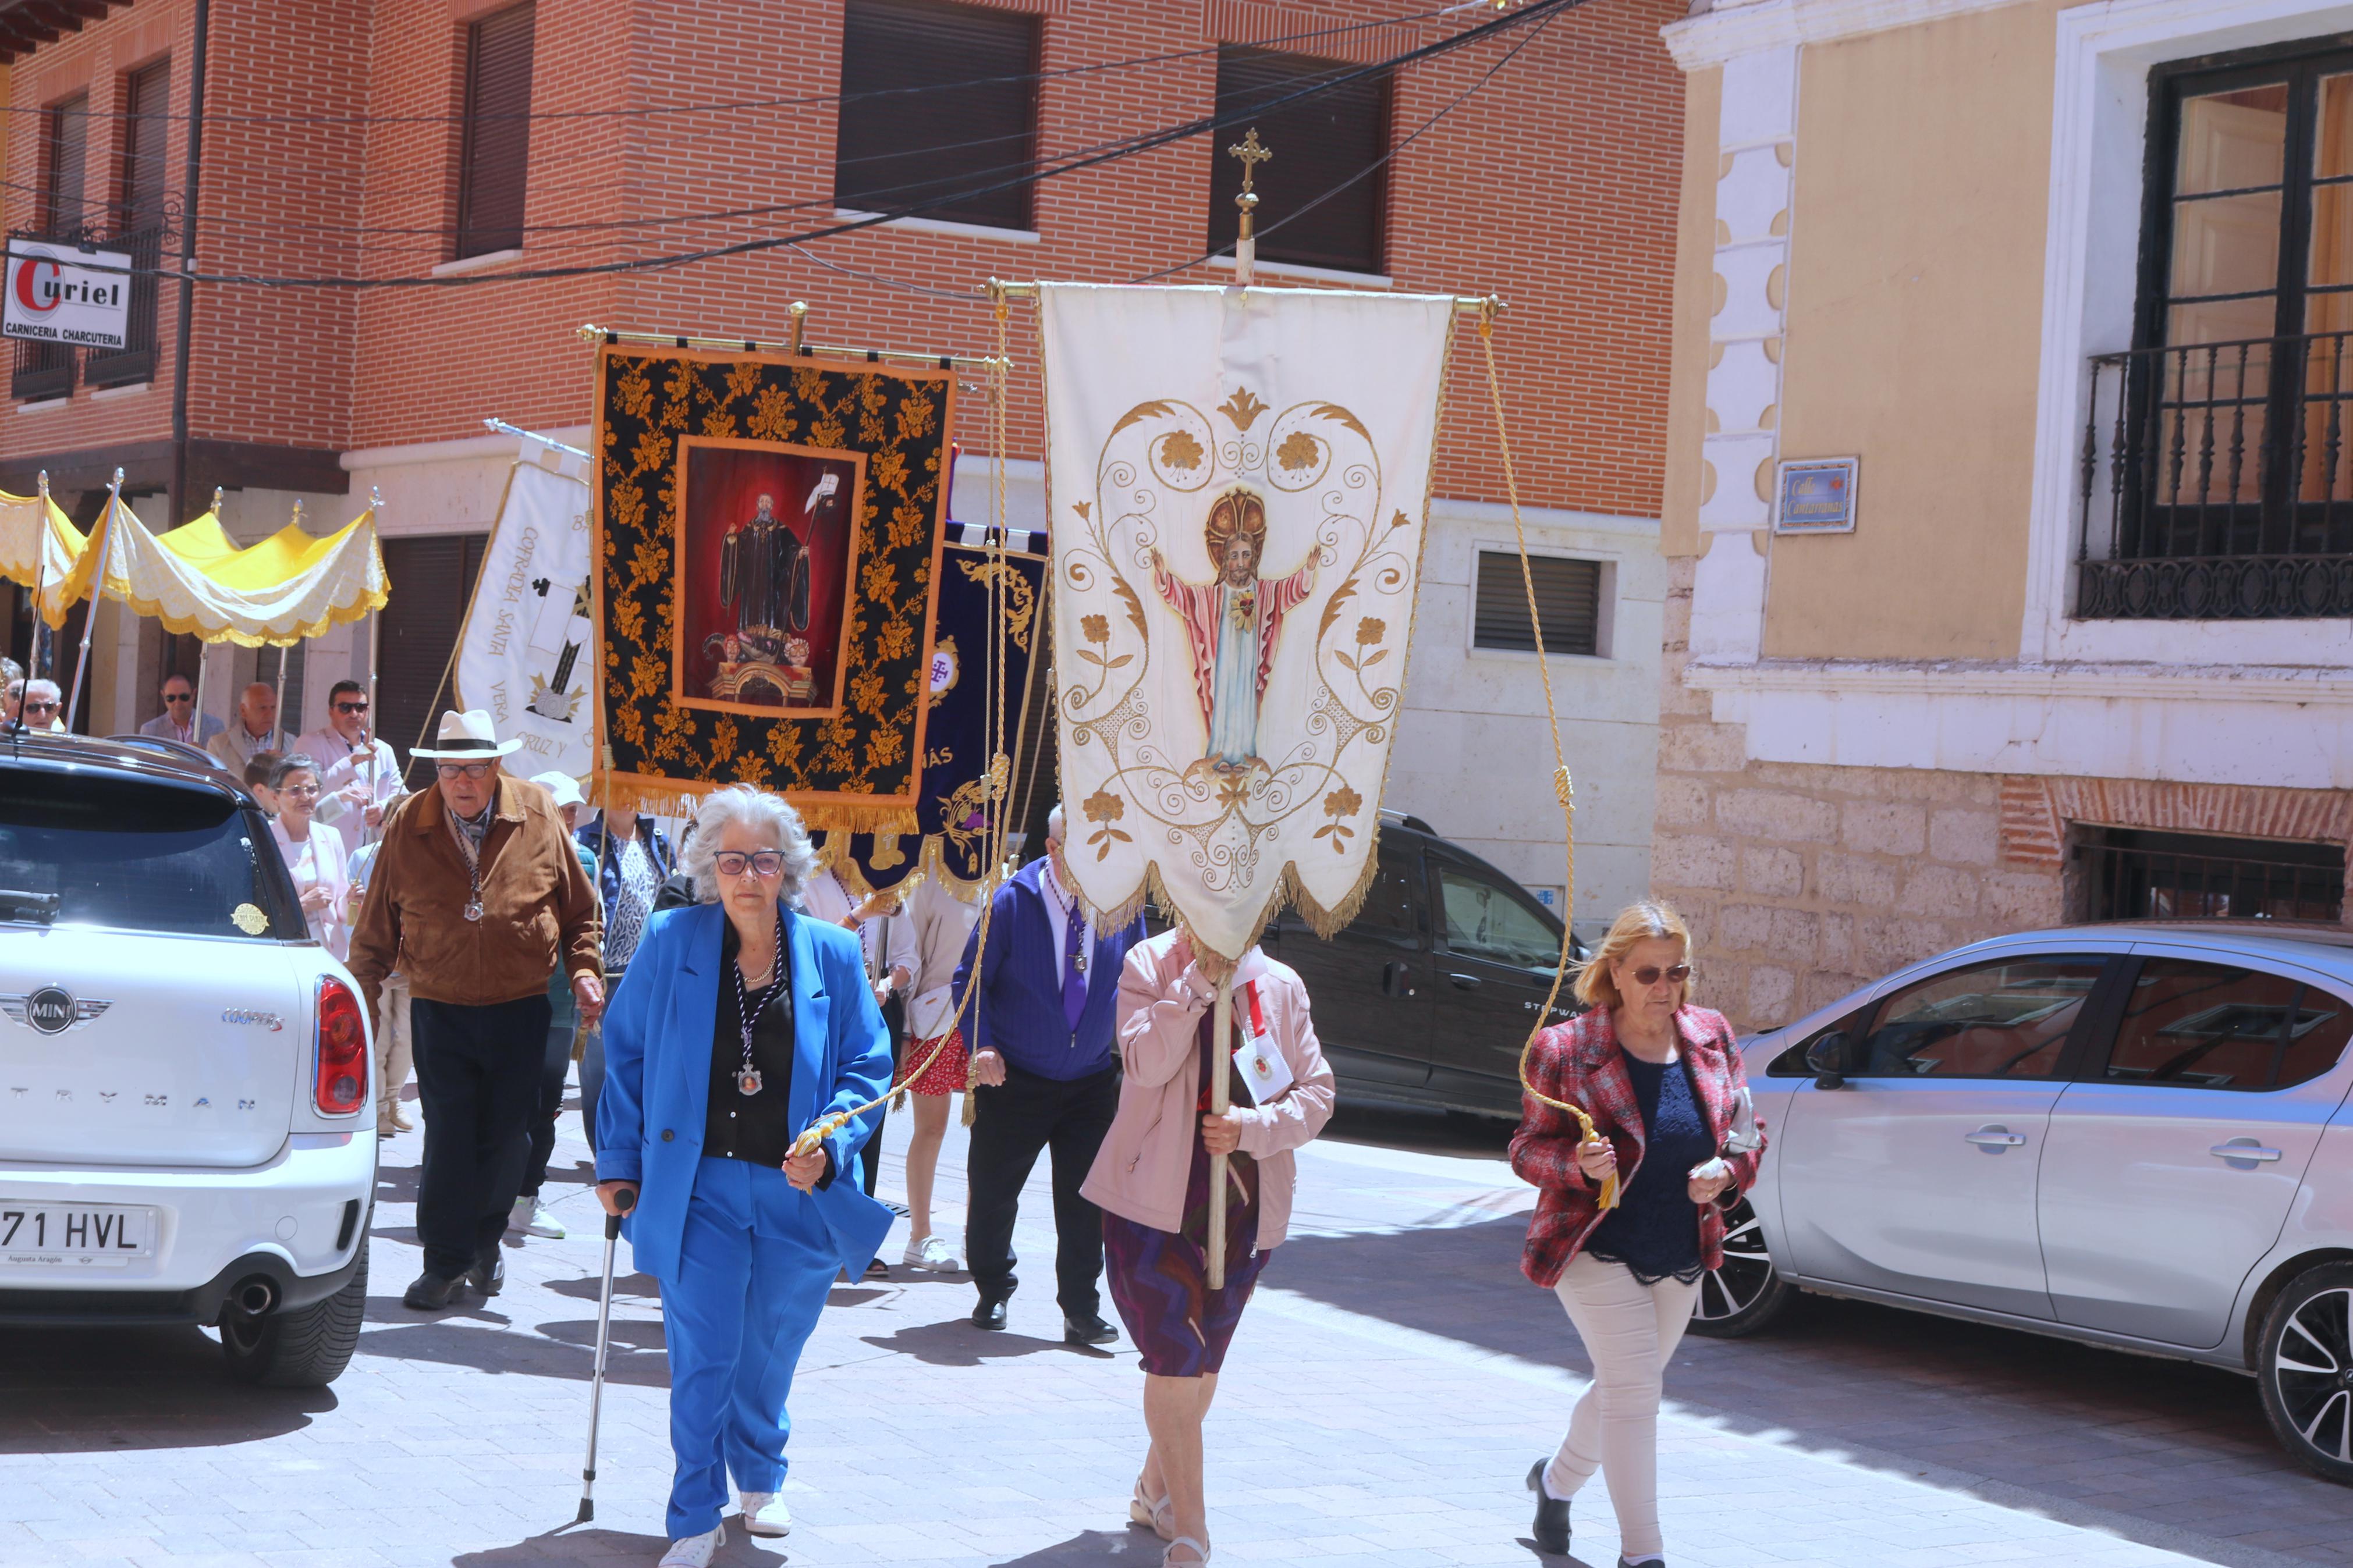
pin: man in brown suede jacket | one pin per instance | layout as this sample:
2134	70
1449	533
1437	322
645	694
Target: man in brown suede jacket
478	897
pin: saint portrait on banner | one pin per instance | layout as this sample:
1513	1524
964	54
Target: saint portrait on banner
1232	624
763	586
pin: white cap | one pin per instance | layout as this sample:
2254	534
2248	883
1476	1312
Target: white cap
562	787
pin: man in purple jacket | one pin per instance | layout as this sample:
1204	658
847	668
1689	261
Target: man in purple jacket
1041	1025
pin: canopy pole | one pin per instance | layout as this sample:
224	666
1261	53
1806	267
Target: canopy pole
1222	1051
40	591
376	627
204	652
105	541
285	652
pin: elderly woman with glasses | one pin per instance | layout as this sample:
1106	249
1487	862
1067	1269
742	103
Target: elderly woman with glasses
313	852
739	1024
1627	1221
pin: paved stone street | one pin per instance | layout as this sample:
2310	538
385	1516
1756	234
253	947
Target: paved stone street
1389	1387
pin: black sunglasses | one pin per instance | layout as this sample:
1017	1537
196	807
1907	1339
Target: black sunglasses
179	696
1650	974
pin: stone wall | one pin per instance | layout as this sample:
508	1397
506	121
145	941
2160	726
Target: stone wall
1803	881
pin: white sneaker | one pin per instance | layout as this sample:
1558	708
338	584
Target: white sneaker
695	1551
764	1513
542	1220
933	1252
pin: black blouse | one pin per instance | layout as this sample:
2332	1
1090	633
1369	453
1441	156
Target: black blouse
753	1127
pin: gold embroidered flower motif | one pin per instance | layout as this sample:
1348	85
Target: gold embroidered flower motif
1243	408
1096	629
1298	451
1105	809
1178	449
1341	804
1370	630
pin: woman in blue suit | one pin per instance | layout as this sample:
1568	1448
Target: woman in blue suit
739	1024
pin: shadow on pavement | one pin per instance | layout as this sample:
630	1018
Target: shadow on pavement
957	1343
576	1544
586	1289
1423	1131
1094	1546
100	1390
1893	1389
636	1357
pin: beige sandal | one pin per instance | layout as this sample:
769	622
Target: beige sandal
1154	1517
1200	1553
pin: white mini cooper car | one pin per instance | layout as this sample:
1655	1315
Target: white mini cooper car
187	1128
2133	1135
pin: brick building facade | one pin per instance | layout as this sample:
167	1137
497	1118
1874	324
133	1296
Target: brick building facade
334	137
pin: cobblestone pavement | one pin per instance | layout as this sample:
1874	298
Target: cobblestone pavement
1389	1387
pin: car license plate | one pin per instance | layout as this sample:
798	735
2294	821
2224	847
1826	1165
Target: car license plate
75	1236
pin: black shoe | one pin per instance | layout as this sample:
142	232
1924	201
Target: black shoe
1551	1528
489	1276
1089	1330
989	1314
431	1292
878	1269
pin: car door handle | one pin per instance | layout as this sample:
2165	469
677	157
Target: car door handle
2242	1152
1994	1138
1464	981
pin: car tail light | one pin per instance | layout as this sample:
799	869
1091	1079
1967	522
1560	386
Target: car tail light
341	1081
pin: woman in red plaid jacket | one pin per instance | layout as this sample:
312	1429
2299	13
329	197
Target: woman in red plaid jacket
1662	1081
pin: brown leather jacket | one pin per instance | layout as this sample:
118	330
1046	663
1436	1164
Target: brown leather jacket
539	908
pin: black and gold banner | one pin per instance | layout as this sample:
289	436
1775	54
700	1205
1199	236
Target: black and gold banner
768	534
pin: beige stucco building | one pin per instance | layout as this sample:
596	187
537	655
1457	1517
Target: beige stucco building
2070	283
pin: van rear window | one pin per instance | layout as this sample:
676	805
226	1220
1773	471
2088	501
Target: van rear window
131	855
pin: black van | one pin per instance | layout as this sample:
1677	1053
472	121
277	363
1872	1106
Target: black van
1426	997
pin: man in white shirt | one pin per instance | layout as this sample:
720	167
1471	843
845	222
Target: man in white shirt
888	940
255	730
358	779
180	720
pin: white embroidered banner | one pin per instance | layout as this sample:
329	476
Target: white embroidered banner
528	650
1237	481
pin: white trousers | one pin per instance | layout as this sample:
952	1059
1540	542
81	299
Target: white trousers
393	1057
1629	1330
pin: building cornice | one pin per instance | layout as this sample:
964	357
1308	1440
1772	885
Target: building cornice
1729	31
2174	683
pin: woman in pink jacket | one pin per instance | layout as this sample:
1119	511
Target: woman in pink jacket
1152	1182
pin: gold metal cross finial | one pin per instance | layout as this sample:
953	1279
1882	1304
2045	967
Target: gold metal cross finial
1249	151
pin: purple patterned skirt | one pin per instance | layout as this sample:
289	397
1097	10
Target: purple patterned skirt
1159	1279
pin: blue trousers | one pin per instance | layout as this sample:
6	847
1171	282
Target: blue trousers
754	1265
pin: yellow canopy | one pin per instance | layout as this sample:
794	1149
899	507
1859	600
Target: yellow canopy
290	587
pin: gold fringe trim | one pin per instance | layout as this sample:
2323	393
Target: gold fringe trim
1289	891
655	797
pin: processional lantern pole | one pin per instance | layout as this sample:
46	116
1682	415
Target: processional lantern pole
105	541
1252	154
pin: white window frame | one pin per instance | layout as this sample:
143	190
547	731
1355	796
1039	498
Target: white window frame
1605	601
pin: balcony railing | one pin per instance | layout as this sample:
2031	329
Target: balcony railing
2217	482
45	370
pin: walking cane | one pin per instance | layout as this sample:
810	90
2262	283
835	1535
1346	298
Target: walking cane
626	1200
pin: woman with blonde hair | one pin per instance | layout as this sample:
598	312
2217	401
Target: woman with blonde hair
1662	1083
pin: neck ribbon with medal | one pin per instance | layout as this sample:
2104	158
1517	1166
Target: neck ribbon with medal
473	854
749	1010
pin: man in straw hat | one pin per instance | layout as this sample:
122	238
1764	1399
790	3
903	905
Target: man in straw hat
479	897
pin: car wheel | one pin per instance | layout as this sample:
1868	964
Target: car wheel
1747	1292
2303	1365
307	1348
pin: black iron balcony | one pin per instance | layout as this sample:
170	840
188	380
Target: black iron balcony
2217	482
135	360
45	370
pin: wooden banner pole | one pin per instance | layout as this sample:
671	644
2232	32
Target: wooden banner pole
1222	1051
101	544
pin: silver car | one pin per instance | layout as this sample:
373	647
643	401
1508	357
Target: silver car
2133	1135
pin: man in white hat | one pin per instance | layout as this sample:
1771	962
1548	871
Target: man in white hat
478	896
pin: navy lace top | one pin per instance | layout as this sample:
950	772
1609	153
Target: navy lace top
1654	1229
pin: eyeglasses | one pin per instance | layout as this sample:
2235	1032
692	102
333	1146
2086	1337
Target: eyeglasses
463	769
732	862
300	791
179	696
1650	974
348	707
39	705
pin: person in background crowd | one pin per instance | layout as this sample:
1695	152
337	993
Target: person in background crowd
1040	1021
632	857
312	852
180	720
12	686
258	769
941	923
38	706
887	939
742	1023
1664	1083
393	1057
255	730
532	1214
14	705
1152	1181
478	895
358	777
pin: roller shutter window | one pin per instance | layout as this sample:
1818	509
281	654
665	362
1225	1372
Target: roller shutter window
1323	196
494	157
937	102
69	146
1568	601
433	581
146	102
